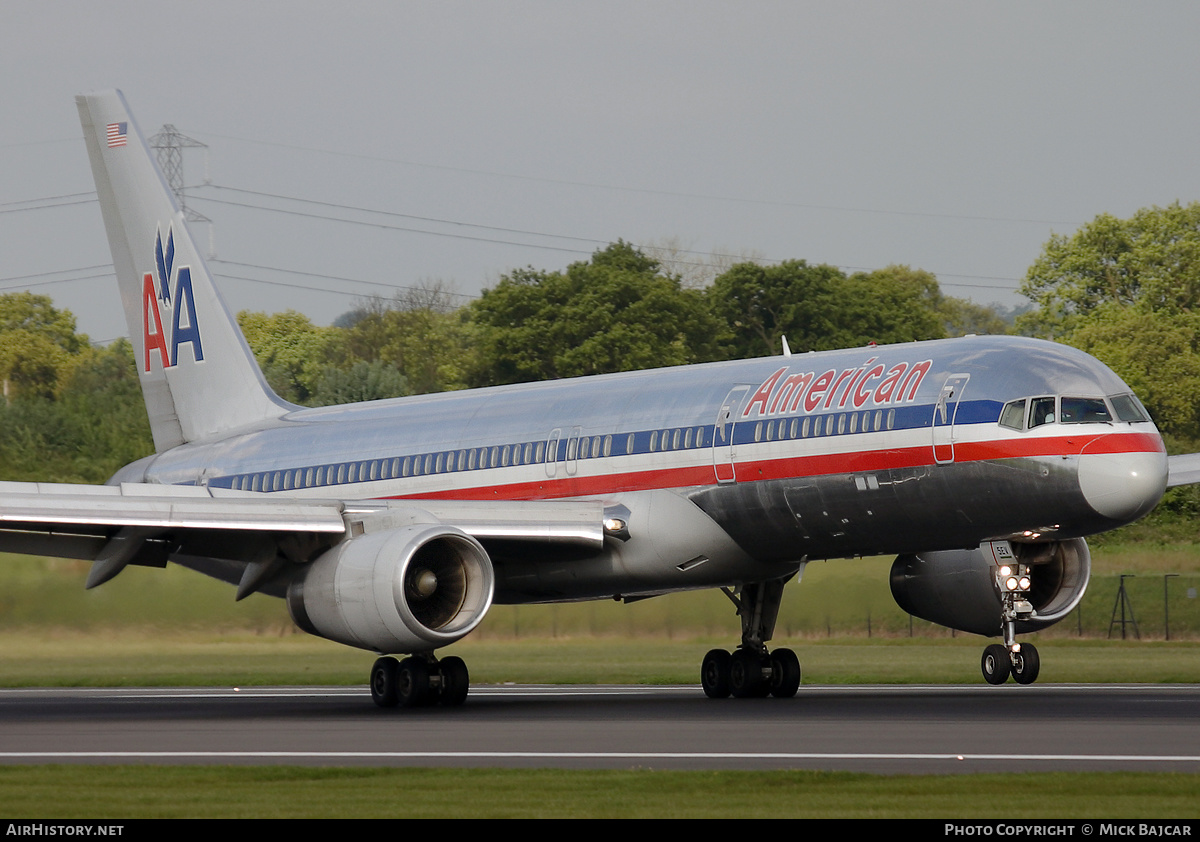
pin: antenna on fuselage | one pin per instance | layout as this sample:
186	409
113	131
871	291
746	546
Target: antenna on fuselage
787	352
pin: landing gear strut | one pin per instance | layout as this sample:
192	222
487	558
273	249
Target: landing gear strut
752	671
419	681
1020	660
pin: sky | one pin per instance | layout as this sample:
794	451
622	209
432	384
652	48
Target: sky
359	148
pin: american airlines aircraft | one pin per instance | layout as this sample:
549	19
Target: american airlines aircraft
392	526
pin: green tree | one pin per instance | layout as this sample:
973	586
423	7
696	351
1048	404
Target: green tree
1128	291
364	381
420	333
38	345
1150	260
961	317
892	304
96	424
1157	353
759	305
616	312
291	351
819	308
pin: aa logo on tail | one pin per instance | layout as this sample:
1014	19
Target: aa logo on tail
172	293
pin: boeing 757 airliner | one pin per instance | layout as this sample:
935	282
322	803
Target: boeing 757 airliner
982	463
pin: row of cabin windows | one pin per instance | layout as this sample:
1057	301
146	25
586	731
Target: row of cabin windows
826	425
677	439
445	461
529	453
496	456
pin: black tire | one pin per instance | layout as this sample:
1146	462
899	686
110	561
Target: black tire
714	674
383	683
412	682
995	664
1028	665
456	681
746	680
785	673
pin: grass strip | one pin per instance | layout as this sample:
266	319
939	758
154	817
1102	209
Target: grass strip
134	792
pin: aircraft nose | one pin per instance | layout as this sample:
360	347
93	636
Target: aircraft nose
1123	486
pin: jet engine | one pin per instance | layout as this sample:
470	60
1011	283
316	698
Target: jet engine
959	588
412	589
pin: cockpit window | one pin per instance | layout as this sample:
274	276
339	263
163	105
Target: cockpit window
1042	412
1128	408
1084	410
1013	415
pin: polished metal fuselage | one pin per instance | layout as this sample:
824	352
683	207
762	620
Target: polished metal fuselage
871	450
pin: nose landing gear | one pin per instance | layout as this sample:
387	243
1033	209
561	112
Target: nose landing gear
1020	660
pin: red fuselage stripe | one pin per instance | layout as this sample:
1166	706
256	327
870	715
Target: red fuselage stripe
800	466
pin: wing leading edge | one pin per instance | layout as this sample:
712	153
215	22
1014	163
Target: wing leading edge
115	526
1183	470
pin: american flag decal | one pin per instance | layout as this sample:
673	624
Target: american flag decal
116	134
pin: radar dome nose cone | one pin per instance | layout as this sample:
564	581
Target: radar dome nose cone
1123	486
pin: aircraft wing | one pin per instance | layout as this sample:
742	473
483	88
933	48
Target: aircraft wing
132	523
1183	470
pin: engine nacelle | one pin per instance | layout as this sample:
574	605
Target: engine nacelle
957	588
412	589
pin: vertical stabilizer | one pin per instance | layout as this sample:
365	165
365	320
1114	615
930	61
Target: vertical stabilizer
198	376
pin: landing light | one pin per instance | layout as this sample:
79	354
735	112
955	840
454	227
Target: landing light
616	522
1013	578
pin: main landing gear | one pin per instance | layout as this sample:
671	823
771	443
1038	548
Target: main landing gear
419	681
751	671
1020	660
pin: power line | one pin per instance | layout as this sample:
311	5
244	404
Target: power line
91	196
1009	287
49	202
646	190
396	214
61	203
318	275
406	229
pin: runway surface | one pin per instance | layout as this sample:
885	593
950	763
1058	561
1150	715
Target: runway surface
890	729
